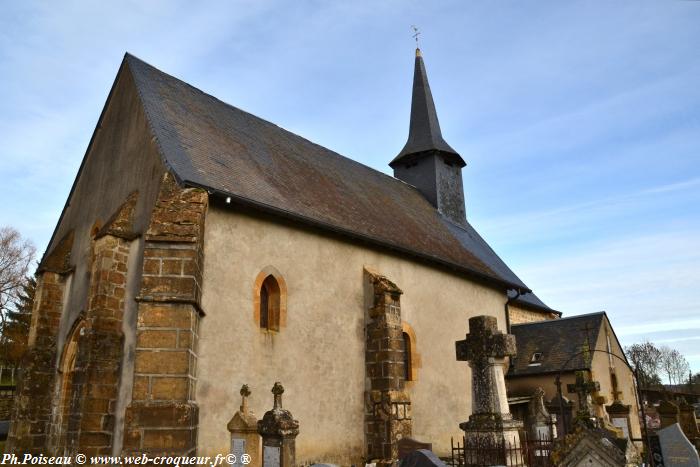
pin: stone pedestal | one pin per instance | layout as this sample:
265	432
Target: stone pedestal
279	431
485	348
245	438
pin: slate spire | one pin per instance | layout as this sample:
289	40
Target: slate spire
426	161
424	132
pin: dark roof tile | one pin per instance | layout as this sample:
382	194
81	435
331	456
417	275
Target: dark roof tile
558	340
209	143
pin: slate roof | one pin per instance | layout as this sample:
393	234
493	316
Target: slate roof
424	132
557	339
211	144
530	300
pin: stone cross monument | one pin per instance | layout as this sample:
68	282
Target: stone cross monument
486	349
583	389
279	431
243	427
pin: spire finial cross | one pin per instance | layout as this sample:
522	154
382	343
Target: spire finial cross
416	33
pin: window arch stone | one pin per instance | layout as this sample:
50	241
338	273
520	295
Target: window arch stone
270	291
413	358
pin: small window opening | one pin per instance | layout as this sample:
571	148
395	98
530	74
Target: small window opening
270	304
407	357
536	359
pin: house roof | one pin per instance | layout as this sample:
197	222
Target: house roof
558	340
424	132
530	300
211	144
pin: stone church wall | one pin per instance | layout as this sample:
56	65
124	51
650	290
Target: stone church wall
90	273
122	159
319	351
520	315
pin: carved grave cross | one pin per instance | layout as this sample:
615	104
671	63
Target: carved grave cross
245	393
485	347
583	389
277	391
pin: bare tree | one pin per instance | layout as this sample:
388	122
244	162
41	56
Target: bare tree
674	365
646	359
16	257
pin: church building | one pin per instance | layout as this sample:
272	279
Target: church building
202	248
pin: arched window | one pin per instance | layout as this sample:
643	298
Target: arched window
66	368
270	304
407	364
411	358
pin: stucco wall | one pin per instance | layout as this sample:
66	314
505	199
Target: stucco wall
600	369
319	354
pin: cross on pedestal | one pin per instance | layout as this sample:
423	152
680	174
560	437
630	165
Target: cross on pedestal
485	348
583	389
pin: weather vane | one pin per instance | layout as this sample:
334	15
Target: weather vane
416	33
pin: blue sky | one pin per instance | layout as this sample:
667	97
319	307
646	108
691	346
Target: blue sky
579	120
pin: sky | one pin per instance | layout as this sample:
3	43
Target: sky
579	120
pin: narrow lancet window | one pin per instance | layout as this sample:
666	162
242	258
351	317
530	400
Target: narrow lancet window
407	357
270	304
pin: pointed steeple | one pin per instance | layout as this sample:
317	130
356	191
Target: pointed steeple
424	132
426	161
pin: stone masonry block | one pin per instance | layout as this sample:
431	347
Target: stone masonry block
165	315
157	339
162	362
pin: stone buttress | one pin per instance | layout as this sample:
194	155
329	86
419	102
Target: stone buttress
387	405
162	417
31	416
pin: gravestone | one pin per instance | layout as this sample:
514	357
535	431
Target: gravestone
562	413
676	449
619	414
421	458
486	349
408	445
278	430
540	423
587	447
243	427
583	388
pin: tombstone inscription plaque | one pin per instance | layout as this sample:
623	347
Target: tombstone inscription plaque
237	449
622	424
676	450
271	456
